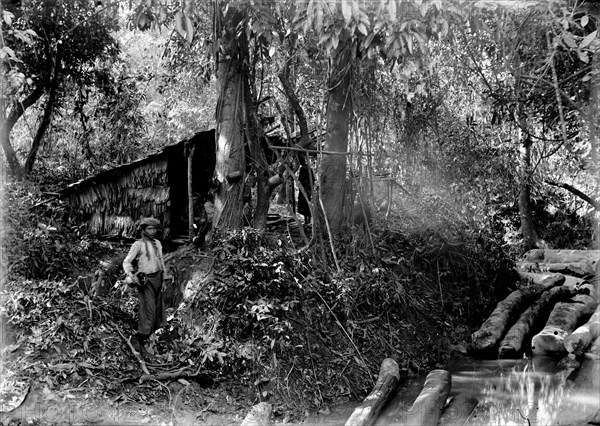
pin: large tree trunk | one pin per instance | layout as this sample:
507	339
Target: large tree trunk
257	154
332	175
367	412
230	161
507	311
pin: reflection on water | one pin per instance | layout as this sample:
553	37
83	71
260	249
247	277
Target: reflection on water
529	391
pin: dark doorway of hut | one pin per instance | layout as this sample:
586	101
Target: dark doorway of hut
201	148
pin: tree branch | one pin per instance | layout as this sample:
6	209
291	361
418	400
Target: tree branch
591	201
284	77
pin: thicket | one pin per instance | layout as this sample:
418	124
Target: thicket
259	313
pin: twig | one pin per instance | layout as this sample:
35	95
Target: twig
313	367
135	353
169	392
440	283
343	329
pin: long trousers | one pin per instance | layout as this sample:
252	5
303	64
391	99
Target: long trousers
151	314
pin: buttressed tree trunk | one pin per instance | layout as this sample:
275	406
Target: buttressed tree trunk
230	164
339	108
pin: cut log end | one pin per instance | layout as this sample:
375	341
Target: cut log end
259	415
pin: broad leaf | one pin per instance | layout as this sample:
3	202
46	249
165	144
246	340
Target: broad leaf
347	11
587	40
362	28
392	10
569	40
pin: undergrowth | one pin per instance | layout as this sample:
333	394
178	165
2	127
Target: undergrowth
256	311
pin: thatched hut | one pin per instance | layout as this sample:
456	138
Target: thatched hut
112	202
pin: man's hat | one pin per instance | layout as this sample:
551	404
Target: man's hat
149	221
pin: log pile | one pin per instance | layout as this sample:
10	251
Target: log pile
366	413
429	408
560	294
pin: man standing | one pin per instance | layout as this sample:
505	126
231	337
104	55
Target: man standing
148	279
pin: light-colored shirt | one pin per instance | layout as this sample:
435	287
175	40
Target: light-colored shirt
149	257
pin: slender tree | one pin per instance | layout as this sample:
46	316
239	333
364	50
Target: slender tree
53	45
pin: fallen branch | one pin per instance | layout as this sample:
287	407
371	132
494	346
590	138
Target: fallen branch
135	353
590	200
174	375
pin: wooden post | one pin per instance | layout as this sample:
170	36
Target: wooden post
366	413
190	188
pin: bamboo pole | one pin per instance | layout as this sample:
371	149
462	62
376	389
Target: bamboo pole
190	188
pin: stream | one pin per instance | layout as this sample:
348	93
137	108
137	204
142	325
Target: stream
527	391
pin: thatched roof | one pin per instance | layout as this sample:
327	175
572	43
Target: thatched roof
112	201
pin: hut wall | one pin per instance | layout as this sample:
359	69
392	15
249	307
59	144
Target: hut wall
112	206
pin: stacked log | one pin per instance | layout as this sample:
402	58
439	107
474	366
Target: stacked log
259	415
563	321
458	410
532	319
582	261
579	341
508	310
427	408
555	303
387	381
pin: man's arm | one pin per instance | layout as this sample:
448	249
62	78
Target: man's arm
128	261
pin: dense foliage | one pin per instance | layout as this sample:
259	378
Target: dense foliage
443	106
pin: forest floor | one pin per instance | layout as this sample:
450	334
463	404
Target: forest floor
251	320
